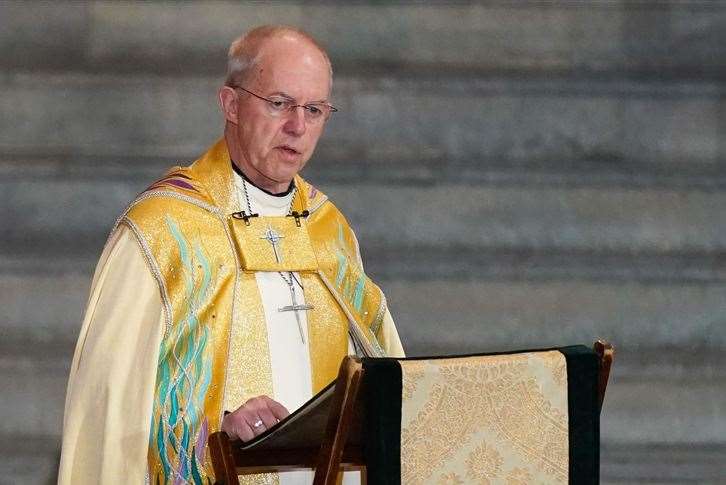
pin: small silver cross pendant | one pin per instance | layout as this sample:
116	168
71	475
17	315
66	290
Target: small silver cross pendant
273	238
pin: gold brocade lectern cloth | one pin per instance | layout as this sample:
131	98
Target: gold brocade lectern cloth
485	419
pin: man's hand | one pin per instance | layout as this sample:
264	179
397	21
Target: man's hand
254	417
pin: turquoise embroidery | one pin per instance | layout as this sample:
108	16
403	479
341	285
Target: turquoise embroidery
358	293
342	266
349	278
179	428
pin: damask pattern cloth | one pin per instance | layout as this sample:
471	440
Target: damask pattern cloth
493	419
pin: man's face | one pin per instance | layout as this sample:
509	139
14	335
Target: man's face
278	146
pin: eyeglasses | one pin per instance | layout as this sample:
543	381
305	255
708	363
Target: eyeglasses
279	106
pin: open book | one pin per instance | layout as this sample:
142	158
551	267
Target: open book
304	428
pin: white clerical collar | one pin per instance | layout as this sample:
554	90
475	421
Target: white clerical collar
262	202
259	196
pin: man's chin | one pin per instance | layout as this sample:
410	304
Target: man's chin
286	168
283	177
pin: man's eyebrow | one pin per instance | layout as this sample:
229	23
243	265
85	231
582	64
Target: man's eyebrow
283	94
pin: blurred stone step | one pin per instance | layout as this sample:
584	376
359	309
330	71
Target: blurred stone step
621	464
511	217
43	305
34	378
330	166
691	410
444	117
53	214
29	459
487	314
659	464
682	402
433	263
491	315
466	263
642	37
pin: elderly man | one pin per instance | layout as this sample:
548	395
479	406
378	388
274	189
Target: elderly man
229	285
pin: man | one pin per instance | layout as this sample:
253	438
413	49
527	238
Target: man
229	285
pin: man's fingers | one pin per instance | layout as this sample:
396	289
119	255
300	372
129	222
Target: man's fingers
277	409
245	433
257	416
235	425
267	417
256	424
261	411
262	402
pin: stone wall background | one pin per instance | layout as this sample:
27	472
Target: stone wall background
538	173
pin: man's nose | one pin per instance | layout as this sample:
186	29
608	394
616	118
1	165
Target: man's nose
295	124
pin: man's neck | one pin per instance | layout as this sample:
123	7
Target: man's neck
286	189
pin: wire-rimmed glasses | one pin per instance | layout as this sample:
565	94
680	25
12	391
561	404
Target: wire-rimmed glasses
281	105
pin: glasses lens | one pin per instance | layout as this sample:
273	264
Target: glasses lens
316	112
279	106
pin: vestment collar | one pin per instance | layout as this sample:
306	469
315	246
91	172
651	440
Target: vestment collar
214	173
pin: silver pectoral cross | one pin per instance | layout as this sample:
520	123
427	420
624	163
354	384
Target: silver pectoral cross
295	307
273	238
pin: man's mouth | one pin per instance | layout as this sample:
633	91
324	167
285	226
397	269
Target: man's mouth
289	149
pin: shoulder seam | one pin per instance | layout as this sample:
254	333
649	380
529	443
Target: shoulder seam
319	204
165	193
174	195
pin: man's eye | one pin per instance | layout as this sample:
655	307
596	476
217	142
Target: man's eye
314	110
277	104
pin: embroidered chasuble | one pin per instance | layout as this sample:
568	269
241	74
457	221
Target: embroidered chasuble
196	307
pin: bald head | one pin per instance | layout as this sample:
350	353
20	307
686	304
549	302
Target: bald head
247	51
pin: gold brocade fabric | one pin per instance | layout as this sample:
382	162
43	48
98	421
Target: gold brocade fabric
248	369
340	269
328	338
198	278
498	419
214	354
273	244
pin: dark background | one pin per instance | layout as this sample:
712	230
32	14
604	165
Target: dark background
520	174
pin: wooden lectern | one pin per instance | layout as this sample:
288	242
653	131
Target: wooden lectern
503	402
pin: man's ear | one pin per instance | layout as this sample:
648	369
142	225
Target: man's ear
228	102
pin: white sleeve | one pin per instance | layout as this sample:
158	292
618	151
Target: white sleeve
112	379
391	341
